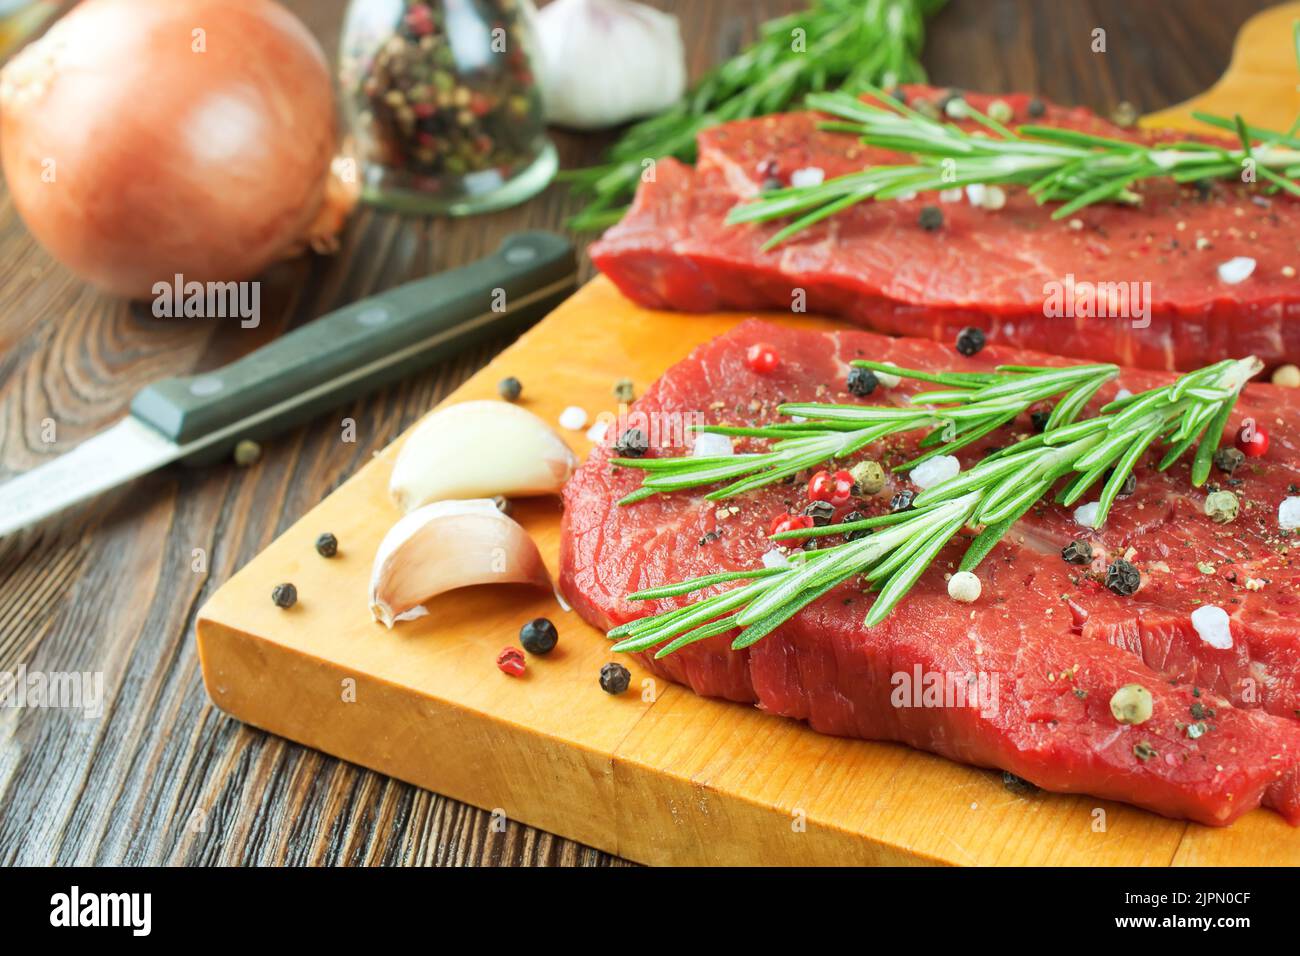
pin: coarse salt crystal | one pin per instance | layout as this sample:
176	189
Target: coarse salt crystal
808	176
950	195
1288	513
976	193
775	559
934	471
573	418
1211	623
709	445
994	198
596	433
1122	394
1086	515
888	379
1236	269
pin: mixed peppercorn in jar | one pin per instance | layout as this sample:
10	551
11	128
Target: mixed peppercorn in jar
443	103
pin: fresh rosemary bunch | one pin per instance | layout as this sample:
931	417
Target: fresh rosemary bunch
968	407
991	496
1057	165
849	43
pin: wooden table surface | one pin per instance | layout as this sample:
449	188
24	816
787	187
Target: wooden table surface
163	777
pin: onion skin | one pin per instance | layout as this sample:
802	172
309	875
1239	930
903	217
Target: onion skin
166	160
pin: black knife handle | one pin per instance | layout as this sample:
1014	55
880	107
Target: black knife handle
361	347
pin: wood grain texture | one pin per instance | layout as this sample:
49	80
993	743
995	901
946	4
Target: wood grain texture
162	776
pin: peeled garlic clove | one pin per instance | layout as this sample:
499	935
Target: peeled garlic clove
449	545
477	450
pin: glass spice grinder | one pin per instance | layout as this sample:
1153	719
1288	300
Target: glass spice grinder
442	103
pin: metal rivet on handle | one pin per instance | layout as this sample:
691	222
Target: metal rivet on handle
375	315
518	255
208	385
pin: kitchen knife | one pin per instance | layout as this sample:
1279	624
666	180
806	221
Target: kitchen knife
325	363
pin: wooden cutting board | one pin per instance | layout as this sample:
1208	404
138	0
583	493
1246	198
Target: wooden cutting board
657	775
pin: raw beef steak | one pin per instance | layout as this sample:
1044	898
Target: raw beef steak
1043	649
1003	270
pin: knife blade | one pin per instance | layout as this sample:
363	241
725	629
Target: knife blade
338	357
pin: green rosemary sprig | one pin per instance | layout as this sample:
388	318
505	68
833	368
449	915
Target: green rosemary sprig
992	496
846	43
1057	165
969	406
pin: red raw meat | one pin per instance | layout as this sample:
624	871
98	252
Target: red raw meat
1057	640
875	265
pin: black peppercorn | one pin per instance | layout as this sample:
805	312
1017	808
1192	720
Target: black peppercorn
970	340
1017	785
1228	459
901	501
821	512
615	678
538	636
931	218
633	443
510	388
862	381
284	595
771	184
327	545
858	533
1122	577
1077	552
1037	107
1130	483
1039	420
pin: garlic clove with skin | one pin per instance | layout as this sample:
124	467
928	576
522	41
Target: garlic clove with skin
449	545
476	450
603	62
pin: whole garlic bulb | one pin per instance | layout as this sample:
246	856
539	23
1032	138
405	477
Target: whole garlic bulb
603	62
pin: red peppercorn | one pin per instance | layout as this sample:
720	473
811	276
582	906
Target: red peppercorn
835	487
762	358
1252	439
420	20
789	522
511	661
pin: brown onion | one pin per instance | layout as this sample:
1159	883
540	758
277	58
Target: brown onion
142	139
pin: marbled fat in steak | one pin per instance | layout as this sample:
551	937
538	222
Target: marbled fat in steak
999	270
1058	642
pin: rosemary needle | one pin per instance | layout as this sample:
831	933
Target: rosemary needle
846	43
970	406
1057	165
991	496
